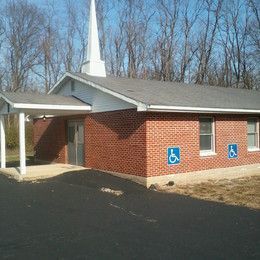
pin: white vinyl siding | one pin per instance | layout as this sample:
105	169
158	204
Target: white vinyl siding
207	135
100	101
253	134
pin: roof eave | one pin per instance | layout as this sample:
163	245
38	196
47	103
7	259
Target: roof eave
35	106
181	109
52	107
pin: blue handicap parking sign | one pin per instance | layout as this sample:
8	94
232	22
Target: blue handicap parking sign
232	151
173	155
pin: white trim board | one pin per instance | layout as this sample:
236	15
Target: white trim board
159	108
52	107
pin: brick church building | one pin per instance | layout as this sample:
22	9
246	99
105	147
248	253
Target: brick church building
142	129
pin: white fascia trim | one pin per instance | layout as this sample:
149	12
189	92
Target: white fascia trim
51	107
200	109
140	106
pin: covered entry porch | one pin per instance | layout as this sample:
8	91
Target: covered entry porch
33	105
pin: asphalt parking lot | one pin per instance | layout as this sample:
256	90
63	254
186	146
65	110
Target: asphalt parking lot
69	217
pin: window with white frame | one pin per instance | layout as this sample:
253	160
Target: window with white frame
252	133
207	138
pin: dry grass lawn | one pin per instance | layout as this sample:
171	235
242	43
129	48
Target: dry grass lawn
241	192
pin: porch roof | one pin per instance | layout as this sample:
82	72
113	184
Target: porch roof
39	104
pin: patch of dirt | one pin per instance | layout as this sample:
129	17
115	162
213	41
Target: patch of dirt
241	192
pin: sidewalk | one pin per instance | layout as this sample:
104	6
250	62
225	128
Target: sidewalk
37	172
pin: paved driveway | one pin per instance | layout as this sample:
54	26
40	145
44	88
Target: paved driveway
68	217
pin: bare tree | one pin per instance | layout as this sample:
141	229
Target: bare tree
207	38
133	25
254	40
212	42
70	35
116	51
24	29
254	27
190	15
166	39
50	60
2	69
237	68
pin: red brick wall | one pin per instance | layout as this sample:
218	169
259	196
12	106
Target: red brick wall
50	139
170	129
136	142
116	141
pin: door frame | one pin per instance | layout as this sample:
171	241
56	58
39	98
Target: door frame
75	122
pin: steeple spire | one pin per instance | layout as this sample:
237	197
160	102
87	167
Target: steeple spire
93	66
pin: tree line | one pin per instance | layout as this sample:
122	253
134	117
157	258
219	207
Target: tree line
213	42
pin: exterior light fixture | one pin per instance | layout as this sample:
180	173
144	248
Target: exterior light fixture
44	118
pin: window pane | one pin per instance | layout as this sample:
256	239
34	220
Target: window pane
251	126
205	125
251	140
205	142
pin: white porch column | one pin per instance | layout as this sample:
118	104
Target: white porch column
2	134
22	143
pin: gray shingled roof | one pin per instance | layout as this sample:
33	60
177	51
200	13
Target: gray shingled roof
44	99
153	92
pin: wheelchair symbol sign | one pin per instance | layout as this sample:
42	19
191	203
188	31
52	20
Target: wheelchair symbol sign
173	155
232	151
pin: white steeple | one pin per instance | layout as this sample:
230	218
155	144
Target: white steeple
93	66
